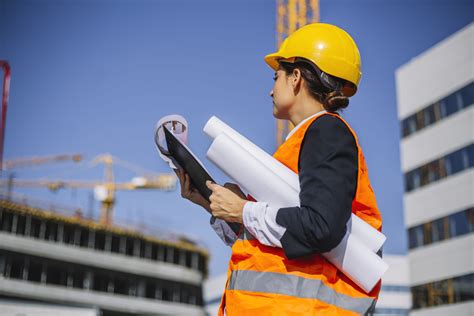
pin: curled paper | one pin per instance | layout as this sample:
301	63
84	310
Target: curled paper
357	262
177	125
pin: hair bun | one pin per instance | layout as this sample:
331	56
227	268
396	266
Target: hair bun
335	101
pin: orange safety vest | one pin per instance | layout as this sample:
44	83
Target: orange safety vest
262	281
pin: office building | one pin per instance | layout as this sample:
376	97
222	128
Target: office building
435	93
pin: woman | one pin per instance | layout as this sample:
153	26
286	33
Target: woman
276	266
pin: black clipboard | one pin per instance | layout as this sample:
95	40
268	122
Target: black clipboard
197	173
189	163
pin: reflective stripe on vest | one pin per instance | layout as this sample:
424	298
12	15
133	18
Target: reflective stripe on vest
292	285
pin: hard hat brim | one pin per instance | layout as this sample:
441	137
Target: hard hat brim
272	60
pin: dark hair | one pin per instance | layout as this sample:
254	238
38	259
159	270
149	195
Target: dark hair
333	100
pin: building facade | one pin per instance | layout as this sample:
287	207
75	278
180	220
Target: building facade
395	296
435	93
50	258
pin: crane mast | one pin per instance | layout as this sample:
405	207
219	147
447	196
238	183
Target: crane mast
291	15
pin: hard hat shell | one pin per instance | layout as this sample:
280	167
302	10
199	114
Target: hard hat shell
329	47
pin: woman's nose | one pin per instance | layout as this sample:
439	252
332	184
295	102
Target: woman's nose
271	93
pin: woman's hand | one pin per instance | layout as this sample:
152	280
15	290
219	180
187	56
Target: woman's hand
189	192
227	203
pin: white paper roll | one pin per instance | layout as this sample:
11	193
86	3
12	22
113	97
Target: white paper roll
368	235
214	127
351	256
358	262
250	174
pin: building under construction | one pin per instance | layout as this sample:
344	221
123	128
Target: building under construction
49	257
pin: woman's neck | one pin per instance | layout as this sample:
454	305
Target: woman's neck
304	109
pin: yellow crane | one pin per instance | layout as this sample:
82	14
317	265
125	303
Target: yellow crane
29	161
104	190
291	15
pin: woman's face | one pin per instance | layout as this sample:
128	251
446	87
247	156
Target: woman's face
282	94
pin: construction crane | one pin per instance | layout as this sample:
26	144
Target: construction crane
104	190
32	161
291	15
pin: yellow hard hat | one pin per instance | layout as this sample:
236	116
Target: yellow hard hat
329	47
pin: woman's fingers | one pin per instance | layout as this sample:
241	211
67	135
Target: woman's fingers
187	183
236	189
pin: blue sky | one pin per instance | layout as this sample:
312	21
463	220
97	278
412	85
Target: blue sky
94	77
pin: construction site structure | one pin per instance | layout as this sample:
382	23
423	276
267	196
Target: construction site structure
57	256
104	190
291	15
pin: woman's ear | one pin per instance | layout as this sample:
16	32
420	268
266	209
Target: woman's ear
296	80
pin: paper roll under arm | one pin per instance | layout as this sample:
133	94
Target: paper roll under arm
371	237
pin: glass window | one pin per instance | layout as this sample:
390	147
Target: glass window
427	234
438	230
433	171
85	237
78	277
68	234
458	224
17	267
442	108
470	153
404	128
467	95
35	270
437	111
429	115
101	282
465	158
411	125
129	246
463	288
51	231
21	225
452	104
115	247
56	275
420	120
143	248
470	219
121	285
99	240
420	296
150	289
440	292
424	175
457	163
35	227
7	222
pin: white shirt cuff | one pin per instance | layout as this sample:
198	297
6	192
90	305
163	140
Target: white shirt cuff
223	230
260	220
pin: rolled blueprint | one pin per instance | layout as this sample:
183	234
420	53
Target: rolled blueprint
351	256
368	235
357	262
214	127
250	173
